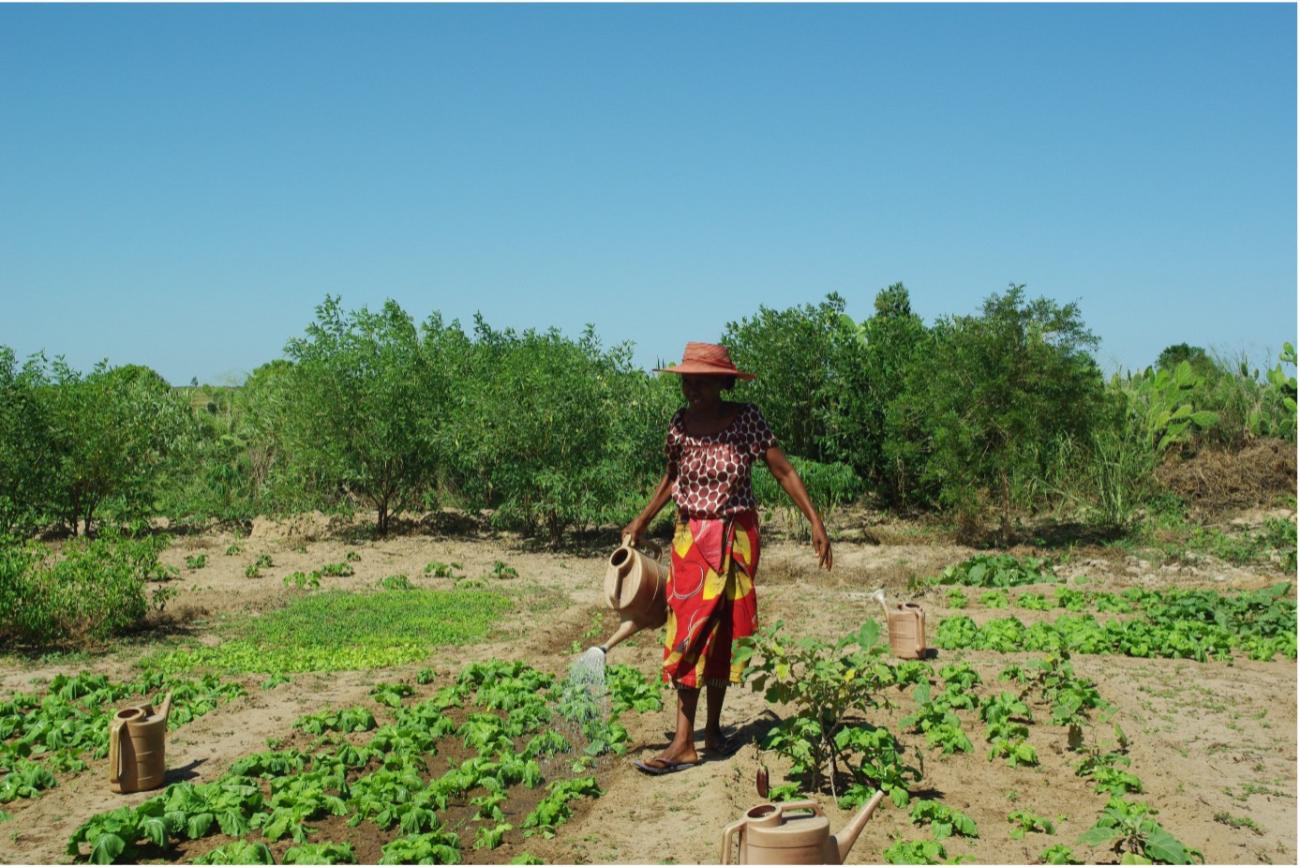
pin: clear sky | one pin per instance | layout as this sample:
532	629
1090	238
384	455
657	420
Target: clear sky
180	186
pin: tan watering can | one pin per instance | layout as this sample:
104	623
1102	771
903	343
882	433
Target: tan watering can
906	624
636	587
907	631
796	832
136	747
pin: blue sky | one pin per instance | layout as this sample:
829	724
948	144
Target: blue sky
181	185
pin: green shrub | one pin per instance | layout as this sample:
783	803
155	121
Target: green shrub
96	589
554	433
829	485
395	582
994	395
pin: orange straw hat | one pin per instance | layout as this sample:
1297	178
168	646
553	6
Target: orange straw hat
707	359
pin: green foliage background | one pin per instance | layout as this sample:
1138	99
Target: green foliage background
984	416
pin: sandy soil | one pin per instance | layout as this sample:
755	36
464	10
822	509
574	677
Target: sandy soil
1209	740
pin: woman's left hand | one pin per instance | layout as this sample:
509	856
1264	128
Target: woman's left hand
821	545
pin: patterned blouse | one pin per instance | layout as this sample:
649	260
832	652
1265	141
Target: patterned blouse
711	474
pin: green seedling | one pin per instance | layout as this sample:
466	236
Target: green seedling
501	571
391	694
1130	832
1023	822
275	680
320	853
1058	853
995	599
491	838
1238	822
238	852
943	820
302	580
917	852
160	596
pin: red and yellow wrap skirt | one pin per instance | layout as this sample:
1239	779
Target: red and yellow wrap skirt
711	599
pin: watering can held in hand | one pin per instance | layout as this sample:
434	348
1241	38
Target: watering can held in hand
137	738
795	832
636	586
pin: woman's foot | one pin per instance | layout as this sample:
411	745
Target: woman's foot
682	755
717	743
671	759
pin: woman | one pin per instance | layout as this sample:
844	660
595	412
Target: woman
710	448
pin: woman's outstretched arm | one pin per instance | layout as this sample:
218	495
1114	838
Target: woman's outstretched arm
788	477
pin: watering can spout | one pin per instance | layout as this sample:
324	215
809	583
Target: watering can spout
625	630
848	835
878	595
164	710
167	707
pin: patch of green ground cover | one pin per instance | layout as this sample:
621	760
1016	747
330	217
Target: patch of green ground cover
341	631
1170	534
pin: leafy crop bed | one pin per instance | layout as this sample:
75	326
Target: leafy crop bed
831	742
60	730
499	755
1183	624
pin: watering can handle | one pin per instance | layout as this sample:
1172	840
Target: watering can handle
115	751
790	806
727	834
647	543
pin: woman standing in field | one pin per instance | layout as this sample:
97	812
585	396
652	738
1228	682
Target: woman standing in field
711	446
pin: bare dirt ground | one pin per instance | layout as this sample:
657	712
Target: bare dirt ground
1209	740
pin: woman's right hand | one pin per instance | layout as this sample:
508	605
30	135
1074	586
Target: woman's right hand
633	530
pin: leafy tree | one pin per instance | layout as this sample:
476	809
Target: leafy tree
995	393
880	448
362	392
1173	355
542	429
800	356
258	432
24	446
112	433
236	463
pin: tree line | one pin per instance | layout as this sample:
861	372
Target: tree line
981	416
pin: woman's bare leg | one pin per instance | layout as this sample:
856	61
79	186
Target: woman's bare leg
713	738
682	747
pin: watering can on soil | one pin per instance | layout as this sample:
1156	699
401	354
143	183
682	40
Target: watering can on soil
136	747
795	832
636	587
906	627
